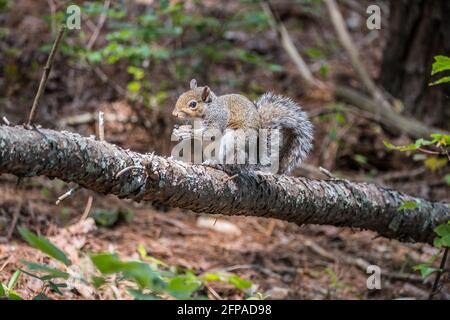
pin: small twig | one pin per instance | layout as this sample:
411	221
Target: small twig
101	126
6	121
213	292
6	263
14	221
231	177
289	47
327	173
347	43
87	209
429	151
52	6
435	289
121	172
45	75
101	22
67	194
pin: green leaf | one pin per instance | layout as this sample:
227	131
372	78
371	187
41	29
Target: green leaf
44	245
137	73
51	272
408	205
97	282
134	86
443	229
13	280
435	163
443	232
106	263
12	295
2	291
442	139
139	295
442	242
138	271
440	81
447	179
211	277
182	287
143	255
425	269
105	218
441	63
55	286
314	53
239	282
419	143
360	159
41	296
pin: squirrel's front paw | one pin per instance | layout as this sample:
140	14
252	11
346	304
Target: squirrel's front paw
183	132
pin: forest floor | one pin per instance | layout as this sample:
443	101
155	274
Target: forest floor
283	260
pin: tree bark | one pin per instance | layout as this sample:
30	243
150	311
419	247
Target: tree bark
95	164
418	31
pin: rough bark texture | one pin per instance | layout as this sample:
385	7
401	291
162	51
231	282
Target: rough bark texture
95	164
418	30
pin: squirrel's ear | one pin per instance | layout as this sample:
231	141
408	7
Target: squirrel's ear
193	84
206	94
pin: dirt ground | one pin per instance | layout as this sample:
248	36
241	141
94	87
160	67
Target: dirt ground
283	260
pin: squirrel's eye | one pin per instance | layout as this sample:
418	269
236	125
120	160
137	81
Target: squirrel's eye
192	104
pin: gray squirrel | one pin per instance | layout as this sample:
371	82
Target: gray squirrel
232	112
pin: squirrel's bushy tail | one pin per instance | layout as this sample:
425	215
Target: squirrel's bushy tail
296	131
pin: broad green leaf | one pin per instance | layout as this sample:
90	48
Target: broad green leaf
182	287
12	295
106	263
442	229
408	205
425	269
441	63
13	280
97	282
138	271
44	245
2	291
443	232
442	242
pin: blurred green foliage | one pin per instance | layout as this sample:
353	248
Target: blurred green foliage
145	279
186	42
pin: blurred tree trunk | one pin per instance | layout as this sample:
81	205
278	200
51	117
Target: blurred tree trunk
418	30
